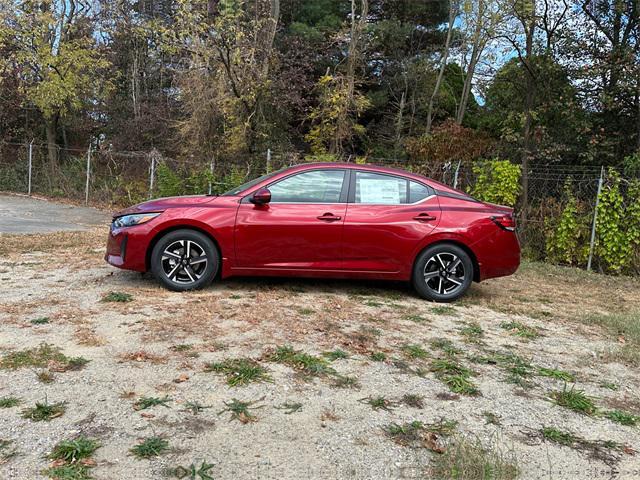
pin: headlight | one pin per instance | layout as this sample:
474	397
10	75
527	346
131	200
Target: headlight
131	220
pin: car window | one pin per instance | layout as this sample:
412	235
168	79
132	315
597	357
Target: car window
380	189
316	186
418	191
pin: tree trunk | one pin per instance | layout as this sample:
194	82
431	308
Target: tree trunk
527	144
51	124
476	51
453	13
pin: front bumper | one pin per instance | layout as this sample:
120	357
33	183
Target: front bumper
126	248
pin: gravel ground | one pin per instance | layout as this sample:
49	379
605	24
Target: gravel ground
158	344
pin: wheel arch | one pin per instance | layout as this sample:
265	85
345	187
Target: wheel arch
156	238
458	243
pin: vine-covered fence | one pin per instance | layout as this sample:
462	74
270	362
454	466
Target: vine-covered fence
569	214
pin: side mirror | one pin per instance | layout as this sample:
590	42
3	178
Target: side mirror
261	197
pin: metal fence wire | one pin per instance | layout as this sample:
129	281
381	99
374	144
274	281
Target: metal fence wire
105	177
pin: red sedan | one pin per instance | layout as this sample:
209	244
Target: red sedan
322	220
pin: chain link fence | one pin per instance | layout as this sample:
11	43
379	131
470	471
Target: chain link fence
109	178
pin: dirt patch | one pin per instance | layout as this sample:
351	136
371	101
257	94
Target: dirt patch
357	345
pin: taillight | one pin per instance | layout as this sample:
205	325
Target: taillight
506	222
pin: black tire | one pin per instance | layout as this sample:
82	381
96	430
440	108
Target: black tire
442	273
171	266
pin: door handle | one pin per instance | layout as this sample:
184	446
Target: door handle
328	217
424	217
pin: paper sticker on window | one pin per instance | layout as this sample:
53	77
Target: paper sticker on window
385	191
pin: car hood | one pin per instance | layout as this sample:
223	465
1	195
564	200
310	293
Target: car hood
161	204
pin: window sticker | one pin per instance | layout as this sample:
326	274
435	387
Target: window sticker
386	191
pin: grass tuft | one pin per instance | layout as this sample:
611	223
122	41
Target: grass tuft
71	451
557	374
43	356
120	297
575	400
466	458
9	402
240	411
309	365
44	411
336	354
379	403
378	356
446	346
75	471
40	321
455	376
444	310
521	330
147	402
558	436
240	371
623	418
414	351
150	447
472	333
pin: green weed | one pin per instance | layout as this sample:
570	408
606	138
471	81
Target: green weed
117	297
240	371
147	402
44	411
150	447
575	400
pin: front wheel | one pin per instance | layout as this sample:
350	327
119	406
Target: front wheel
185	260
442	273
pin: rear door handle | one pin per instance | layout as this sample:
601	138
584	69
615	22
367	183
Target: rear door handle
329	217
424	217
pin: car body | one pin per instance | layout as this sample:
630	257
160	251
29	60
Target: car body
329	220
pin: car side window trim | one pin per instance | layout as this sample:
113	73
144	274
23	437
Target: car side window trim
342	199
352	189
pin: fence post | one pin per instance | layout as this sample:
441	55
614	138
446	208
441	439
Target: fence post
86	188
595	217
455	175
30	163
152	173
211	168
268	160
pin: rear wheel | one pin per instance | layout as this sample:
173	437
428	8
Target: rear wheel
185	260
442	273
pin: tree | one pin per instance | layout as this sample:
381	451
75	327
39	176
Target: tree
56	57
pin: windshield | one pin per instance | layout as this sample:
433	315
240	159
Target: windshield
249	184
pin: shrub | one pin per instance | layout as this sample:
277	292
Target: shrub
497	181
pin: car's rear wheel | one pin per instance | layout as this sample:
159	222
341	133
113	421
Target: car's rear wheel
442	273
185	260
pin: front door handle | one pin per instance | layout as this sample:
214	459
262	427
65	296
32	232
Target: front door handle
329	217
424	217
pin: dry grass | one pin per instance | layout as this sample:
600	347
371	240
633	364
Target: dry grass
142	356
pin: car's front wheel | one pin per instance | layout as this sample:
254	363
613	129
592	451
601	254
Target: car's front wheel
442	273
185	260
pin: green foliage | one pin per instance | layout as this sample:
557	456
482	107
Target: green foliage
567	241
240	371
335	119
44	411
118	297
71	451
150	447
9	402
497	181
618	224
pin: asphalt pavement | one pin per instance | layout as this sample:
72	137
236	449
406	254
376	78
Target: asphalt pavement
23	214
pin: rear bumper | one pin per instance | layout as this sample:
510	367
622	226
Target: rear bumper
498	255
126	248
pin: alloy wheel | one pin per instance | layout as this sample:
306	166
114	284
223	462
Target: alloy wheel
444	273
184	261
